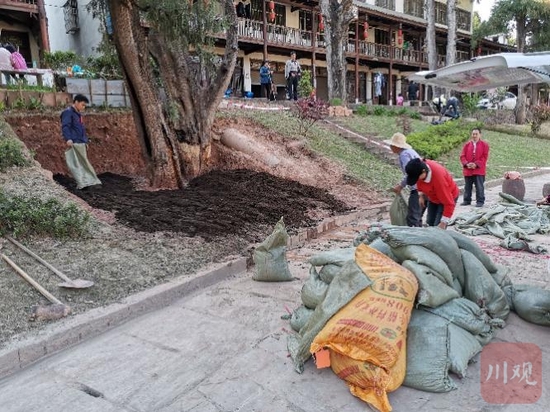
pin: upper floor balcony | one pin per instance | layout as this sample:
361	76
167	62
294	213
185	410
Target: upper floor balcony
19	5
296	39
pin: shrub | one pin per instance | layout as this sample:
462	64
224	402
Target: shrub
541	114
469	102
32	216
439	139
60	60
336	101
305	86
380	111
11	154
362	110
308	111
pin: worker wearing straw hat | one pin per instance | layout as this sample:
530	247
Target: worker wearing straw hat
399	146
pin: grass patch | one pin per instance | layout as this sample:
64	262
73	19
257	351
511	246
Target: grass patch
507	151
381	127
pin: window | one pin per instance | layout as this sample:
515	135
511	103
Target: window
305	20
387	4
256	10
70	12
440	13
414	8
463	19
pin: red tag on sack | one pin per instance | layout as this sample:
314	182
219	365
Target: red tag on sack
322	359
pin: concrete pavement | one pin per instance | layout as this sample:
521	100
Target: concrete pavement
222	347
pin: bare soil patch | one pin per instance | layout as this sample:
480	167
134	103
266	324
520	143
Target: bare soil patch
141	238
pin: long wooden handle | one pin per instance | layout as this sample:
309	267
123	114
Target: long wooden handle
35	284
34	255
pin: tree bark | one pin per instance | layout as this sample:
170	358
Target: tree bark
451	33
519	110
175	111
337	16
430	41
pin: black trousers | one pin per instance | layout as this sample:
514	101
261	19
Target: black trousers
267	88
414	212
479	182
292	87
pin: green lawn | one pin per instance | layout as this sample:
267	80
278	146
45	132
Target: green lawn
381	127
508	151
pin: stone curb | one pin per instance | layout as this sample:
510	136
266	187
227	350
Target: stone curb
328	224
72	331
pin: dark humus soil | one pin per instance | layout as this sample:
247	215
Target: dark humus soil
218	204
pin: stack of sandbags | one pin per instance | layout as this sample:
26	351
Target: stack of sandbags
347	281
460	302
315	287
367	338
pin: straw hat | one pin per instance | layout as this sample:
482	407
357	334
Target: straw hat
398	140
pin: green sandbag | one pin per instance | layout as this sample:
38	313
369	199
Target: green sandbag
313	290
335	257
464	242
532	304
432	292
426	257
350	281
398	210
428	345
270	257
434	239
382	247
299	317
328	272
480	288
467	315
463	347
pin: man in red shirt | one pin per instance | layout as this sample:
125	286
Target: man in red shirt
474	157
437	184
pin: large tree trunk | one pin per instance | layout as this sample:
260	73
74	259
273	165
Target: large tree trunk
156	138
519	111
451	33
430	40
337	15
175	111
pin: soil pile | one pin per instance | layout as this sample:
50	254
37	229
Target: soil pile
218	204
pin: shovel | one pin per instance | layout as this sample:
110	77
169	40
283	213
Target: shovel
68	283
56	310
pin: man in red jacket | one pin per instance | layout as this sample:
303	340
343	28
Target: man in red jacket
474	162
437	184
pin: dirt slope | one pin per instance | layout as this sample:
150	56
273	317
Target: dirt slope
143	238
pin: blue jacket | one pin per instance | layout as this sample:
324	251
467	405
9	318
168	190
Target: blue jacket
72	126
265	75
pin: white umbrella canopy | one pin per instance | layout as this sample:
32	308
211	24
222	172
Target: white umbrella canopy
487	72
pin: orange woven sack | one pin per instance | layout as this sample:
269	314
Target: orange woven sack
369	382
367	337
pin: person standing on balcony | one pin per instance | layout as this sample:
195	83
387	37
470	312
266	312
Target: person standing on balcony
265	79
293	72
74	134
474	157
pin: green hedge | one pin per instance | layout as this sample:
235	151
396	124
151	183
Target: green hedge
32	216
442	138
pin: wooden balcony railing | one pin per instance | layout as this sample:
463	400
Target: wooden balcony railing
287	36
19	5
